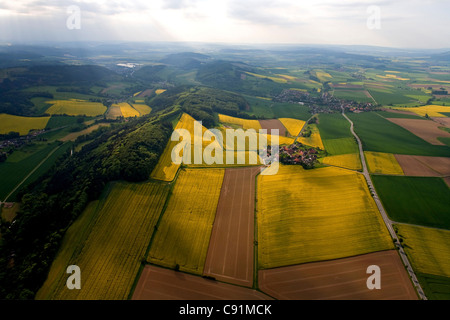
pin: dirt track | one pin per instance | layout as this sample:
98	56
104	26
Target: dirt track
426	129
162	284
342	279
273	124
230	253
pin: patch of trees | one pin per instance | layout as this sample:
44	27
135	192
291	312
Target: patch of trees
202	102
19	103
50	205
231	76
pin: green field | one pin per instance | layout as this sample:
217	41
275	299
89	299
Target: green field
334	126
416	200
22	162
290	110
340	146
380	135
434	287
355	95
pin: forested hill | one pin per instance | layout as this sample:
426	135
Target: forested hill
126	152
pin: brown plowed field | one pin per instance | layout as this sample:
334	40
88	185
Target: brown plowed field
426	129
423	166
273	124
400	111
230	253
145	93
442	121
342	279
163	284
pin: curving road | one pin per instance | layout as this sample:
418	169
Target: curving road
388	222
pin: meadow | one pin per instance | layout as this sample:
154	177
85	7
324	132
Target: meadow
315	215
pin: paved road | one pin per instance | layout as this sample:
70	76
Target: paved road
388	222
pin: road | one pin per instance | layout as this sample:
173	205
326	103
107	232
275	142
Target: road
388	222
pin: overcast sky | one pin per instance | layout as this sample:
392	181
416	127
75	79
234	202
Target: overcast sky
402	23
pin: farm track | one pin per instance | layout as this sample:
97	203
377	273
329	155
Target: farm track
387	221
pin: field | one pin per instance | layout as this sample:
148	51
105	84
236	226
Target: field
114	112
341	279
230	254
435	287
22	163
291	110
76	107
382	163
430	110
182	237
314	140
340	146
293	126
334	126
416	200
108	242
22	125
424	166
244	123
350	161
426	129
314	215
428	250
162	284
127	110
74	135
166	170
272	124
355	95
143	109
381	135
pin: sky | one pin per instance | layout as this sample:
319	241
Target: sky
389	23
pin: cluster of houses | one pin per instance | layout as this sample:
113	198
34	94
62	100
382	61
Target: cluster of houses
325	102
10	144
299	154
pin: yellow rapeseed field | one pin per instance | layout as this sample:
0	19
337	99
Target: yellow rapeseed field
182	238
159	91
430	110
314	140
274	79
108	242
347	161
76	107
244	123
382	163
427	248
143	109
166	170
128	111
293	126
19	124
315	215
